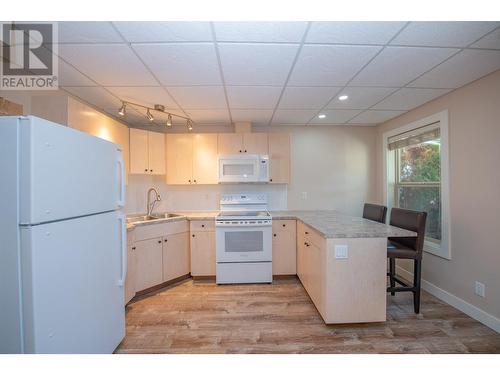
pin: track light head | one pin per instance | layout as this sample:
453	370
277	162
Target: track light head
122	110
149	116
169	120
189	125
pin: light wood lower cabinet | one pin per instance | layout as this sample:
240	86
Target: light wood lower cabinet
149	260
202	243
130	280
284	247
175	256
344	290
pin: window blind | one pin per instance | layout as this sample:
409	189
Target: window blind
414	137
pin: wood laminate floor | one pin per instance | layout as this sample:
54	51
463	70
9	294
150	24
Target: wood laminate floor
201	317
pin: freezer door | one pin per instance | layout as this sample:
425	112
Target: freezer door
65	173
72	281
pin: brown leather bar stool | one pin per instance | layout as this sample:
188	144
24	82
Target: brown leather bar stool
374	212
407	248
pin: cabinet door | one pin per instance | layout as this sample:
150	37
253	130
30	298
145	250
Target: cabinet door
131	273
175	256
230	143
279	158
301	249
139	151
148	261
156	152
284	247
179	159
205	161
203	253
255	143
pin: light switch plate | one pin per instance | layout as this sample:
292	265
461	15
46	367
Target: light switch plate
341	251
480	289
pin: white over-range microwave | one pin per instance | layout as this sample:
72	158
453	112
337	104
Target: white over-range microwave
243	168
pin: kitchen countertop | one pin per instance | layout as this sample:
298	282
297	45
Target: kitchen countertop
329	223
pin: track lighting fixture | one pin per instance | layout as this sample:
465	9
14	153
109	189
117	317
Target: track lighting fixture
122	110
158	108
149	116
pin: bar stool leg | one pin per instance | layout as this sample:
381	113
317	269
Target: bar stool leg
417	274
392	273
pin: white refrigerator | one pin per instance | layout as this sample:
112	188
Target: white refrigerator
62	239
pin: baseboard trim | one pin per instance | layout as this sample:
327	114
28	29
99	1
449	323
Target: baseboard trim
458	303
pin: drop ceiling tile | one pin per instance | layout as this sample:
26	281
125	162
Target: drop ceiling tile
396	66
491	40
353	32
199	97
408	98
146	95
326	65
69	76
360	97
107	64
249	97
374	117
136	32
443	34
87	32
209	115
256	64
293	116
298	97
260	31
96	96
335	116
256	116
461	69
181	64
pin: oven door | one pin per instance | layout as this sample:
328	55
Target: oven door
243	243
239	169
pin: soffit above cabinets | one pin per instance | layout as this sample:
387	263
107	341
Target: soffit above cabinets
273	73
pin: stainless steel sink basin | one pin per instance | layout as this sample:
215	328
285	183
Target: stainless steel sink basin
136	219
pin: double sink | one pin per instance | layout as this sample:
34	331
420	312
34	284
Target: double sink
143	218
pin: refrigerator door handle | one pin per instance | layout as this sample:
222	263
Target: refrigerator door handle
121	181
123	273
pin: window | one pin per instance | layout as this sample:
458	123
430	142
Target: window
416	177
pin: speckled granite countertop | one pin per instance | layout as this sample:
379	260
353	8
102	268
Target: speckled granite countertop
330	224
334	224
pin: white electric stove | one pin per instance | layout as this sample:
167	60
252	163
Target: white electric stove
244	240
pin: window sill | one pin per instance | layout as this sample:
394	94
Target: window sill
440	250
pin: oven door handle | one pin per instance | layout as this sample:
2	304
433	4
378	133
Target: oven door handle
246	225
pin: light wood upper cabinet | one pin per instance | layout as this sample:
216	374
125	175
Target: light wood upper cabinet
230	143
284	247
175	256
147	152
156	152
255	143
205	161
279	158
139	151
179	159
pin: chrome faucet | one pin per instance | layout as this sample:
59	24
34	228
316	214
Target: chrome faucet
151	205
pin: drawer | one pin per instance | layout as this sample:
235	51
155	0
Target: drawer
202	225
144	232
311	235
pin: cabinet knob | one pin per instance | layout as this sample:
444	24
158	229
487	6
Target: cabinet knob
189	181
159	241
245	150
192	235
145	170
151	170
270	180
203	225
274	234
133	248
194	181
306	232
240	150
284	225
165	240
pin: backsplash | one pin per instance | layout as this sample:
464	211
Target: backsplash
194	197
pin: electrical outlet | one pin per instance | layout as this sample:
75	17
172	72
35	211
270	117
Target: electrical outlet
304	195
480	289
341	251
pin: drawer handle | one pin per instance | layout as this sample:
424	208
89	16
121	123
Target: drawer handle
133	248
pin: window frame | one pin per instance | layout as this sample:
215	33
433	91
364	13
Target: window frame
443	247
